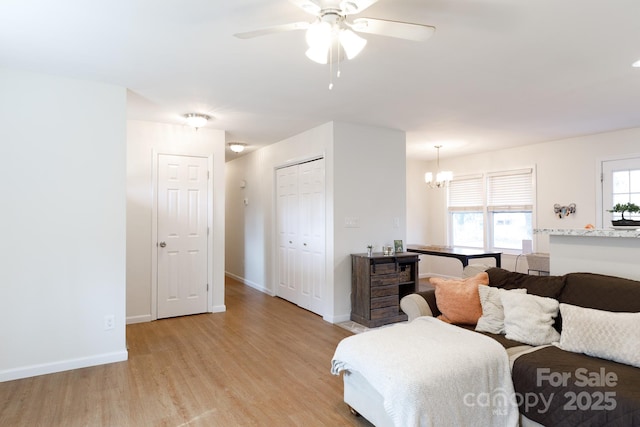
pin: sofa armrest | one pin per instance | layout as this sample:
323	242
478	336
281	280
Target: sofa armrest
473	269
415	306
420	304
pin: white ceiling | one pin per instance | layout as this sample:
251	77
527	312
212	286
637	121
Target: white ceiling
497	73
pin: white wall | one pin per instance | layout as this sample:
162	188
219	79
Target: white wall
566	173
417	203
369	184
62	224
144	141
356	159
250	229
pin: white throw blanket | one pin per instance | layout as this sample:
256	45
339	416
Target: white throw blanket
430	373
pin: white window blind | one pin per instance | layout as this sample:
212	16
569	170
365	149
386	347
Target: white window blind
466	194
510	190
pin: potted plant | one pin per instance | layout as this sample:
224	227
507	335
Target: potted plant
621	208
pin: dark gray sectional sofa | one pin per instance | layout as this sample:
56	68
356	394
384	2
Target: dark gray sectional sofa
556	387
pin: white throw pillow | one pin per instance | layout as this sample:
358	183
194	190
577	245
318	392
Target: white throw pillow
492	319
604	334
529	318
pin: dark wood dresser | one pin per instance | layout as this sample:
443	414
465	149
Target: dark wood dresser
378	283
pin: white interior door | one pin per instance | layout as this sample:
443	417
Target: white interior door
287	214
301	234
312	235
182	235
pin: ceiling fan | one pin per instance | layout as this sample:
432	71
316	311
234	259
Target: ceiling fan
333	30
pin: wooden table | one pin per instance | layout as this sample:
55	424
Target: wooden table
463	254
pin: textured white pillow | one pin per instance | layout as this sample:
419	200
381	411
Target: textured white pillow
492	319
604	334
529	318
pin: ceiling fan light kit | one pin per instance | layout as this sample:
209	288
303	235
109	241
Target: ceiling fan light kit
351	43
331	32
321	37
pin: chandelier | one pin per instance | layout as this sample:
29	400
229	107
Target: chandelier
442	177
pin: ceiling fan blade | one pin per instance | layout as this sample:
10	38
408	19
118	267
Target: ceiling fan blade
309	6
401	30
273	29
351	7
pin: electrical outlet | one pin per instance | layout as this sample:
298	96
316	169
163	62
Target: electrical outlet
109	322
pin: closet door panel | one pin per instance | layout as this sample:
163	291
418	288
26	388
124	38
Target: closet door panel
301	234
287	220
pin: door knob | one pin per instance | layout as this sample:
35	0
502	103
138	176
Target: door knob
162	244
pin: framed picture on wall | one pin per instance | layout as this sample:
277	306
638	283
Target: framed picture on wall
397	246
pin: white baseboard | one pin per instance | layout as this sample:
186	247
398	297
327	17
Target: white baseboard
219	309
139	319
337	319
250	283
64	365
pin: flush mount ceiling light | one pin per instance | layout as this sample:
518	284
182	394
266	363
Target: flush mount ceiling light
237	147
442	177
330	37
196	120
636	64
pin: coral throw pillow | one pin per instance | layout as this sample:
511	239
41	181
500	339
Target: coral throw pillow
458	300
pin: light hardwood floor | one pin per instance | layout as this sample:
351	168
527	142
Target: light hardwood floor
264	362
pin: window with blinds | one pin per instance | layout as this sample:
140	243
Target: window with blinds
466	193
493	211
510	190
466	212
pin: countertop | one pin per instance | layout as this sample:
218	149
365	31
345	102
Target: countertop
583	232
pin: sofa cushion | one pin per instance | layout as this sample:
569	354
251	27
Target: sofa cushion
560	388
504	341
601	292
544	286
492	319
529	318
458	300
604	334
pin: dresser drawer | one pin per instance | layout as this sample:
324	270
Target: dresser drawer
383	268
384	291
388	301
388	280
382	313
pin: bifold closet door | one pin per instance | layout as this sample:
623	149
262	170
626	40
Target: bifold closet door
301	234
287	217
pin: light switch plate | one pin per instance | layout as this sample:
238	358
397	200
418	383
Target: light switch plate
352	222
